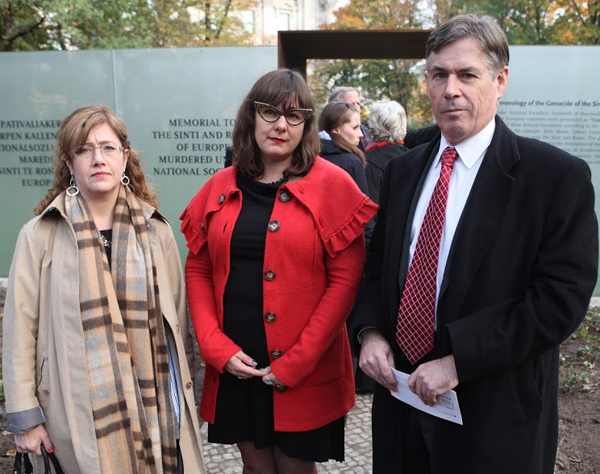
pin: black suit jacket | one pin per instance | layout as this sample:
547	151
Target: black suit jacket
520	273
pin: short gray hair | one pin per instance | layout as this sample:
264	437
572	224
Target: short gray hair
485	30
388	122
340	91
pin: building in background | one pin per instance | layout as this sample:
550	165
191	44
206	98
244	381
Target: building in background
271	16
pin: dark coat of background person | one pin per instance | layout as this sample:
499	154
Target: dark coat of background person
520	273
353	166
347	161
377	161
365	139
417	137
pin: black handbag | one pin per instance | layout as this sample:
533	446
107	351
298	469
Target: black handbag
48	458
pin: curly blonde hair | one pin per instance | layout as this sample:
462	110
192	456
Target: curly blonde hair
73	132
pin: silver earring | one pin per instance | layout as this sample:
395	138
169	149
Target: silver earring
72	190
125	180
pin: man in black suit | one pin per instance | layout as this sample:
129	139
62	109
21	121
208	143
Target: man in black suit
513	268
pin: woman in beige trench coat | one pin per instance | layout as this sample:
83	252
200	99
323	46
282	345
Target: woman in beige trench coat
96	349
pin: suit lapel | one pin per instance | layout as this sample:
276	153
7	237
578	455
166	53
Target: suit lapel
426	160
406	183
480	220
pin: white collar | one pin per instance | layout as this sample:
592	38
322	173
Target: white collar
473	148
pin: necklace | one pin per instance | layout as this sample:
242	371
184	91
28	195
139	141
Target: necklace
105	241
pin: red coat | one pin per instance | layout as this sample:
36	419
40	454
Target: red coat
316	254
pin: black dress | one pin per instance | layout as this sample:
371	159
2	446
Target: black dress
244	409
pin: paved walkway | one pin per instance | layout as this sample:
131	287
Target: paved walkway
222	459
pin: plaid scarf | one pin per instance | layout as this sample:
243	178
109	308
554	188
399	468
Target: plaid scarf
125	339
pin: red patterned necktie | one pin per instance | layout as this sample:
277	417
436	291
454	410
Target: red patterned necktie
414	330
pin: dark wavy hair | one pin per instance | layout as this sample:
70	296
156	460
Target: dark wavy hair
73	132
281	88
335	115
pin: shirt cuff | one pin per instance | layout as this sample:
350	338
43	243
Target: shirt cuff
22	421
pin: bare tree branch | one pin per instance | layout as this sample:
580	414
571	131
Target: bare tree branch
223	18
578	13
20	34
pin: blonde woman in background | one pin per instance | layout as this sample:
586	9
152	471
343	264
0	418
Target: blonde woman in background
387	123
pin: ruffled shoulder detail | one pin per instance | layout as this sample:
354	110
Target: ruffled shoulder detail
210	198
194	237
341	238
339	208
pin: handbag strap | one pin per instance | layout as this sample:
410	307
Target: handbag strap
52	457
21	459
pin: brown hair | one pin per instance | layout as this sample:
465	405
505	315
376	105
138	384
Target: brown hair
281	88
335	115
73	132
485	30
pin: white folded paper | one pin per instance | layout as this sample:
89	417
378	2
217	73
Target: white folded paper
446	408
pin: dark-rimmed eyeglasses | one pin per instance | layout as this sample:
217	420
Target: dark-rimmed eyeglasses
271	114
108	149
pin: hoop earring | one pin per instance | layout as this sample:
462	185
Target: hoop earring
125	181
72	190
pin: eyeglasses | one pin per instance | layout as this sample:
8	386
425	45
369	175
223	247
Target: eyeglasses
109	150
271	114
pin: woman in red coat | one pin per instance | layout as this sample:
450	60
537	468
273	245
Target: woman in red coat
276	254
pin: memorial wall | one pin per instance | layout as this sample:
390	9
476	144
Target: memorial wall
180	107
553	95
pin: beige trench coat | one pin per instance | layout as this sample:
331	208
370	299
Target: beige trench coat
44	359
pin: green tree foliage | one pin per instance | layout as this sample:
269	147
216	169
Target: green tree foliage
378	14
575	22
542	21
524	21
22	26
101	24
377	80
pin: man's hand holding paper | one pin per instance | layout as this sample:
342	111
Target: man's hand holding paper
433	379
446	408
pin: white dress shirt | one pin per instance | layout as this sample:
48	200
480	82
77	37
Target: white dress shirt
464	172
